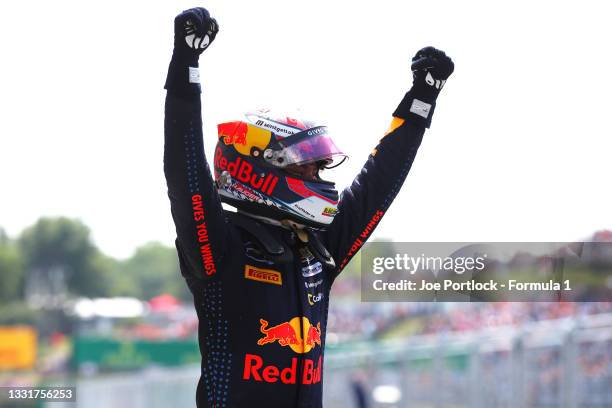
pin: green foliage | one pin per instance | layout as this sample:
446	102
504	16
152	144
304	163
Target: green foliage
11	269
63	247
17	313
64	244
152	270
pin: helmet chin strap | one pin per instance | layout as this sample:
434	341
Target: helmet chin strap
266	220
305	235
297	228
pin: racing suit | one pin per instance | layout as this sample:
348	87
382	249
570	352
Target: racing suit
263	323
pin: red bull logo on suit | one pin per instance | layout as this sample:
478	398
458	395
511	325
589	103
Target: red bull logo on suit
290	334
300	336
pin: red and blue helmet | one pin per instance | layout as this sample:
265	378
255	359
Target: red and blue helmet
251	163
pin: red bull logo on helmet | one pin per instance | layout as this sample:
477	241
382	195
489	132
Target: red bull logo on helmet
233	133
289	334
243	172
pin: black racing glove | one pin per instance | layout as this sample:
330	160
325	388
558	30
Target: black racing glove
430	70
194	31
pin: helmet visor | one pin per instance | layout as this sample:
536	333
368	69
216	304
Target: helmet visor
308	146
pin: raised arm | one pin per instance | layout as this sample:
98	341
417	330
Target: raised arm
363	204
196	209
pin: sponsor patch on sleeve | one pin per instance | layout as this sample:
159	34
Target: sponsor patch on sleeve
420	108
263	275
194	75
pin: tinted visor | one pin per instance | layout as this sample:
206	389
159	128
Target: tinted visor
308	146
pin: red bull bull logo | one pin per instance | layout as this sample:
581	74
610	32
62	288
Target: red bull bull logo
313	336
233	132
299	335
300	338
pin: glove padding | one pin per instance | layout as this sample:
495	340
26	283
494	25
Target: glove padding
194	31
430	70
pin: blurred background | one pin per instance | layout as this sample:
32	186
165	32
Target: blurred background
124	332
519	150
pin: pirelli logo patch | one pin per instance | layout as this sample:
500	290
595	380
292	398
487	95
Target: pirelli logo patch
262	275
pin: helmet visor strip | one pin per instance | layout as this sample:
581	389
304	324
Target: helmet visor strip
309	146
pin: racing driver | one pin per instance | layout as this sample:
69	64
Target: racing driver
261	275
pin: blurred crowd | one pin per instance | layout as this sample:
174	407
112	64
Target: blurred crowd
350	319
476	316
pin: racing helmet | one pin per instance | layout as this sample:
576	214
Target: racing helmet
252	161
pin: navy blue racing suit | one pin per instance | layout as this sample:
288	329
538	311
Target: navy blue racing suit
262	323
